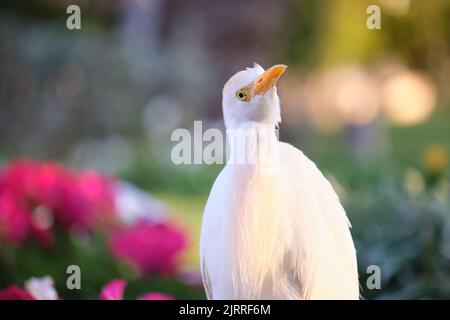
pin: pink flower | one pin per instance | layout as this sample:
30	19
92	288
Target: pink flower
15	223
84	201
14	292
34	196
114	289
155	296
149	246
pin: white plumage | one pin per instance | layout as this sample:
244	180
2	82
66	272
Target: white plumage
279	233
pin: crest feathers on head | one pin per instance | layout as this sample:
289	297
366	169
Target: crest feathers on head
257	67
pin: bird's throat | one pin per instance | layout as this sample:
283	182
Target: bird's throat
253	144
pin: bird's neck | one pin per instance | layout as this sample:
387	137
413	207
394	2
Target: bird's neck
253	143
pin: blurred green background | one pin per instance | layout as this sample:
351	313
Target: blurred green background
370	107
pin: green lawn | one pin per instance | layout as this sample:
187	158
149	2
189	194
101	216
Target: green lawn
188	210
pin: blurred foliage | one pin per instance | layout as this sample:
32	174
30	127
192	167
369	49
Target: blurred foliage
407	236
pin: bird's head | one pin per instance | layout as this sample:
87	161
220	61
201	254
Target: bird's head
251	95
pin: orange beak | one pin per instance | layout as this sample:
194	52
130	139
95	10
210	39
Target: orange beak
268	79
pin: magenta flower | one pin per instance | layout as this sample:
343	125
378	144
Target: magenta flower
155	296
149	246
36	196
14	219
114	289
14	292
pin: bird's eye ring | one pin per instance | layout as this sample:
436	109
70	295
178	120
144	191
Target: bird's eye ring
242	95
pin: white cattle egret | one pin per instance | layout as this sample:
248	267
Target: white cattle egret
280	234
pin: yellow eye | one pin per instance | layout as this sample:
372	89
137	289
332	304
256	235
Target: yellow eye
243	94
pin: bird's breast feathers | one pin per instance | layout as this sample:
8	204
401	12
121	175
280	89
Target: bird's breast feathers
282	235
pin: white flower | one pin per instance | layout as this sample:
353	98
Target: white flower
134	203
41	288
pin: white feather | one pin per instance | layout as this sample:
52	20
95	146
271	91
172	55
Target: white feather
277	235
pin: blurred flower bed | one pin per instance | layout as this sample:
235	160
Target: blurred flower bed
52	217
